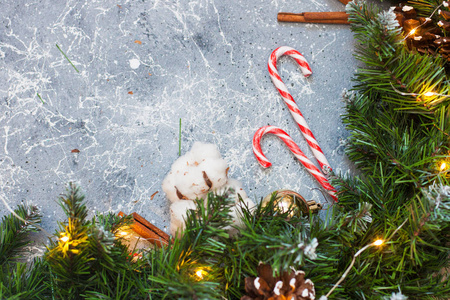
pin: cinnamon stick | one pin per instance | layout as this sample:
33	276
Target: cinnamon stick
325	17
148	231
335	15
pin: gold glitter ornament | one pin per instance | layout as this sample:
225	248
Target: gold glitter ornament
286	199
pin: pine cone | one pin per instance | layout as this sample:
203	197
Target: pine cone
289	286
427	35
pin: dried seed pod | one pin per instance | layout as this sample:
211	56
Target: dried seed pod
442	41
425	21
444	51
207	180
290	285
409	12
180	195
445	14
429	37
444	25
400	18
422	50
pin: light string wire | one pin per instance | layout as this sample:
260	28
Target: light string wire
411	32
376	243
427	20
426	94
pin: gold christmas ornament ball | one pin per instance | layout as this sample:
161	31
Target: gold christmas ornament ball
285	199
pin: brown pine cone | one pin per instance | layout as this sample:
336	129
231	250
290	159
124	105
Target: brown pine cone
289	286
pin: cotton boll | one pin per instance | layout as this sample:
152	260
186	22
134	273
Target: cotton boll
201	151
215	171
168	186
191	183
232	189
178	212
193	174
236	185
236	215
181	164
170	183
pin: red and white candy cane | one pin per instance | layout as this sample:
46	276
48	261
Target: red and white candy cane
299	119
295	150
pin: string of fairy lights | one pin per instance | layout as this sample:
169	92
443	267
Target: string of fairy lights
201	273
412	32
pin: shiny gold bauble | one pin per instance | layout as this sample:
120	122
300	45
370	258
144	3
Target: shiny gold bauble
287	198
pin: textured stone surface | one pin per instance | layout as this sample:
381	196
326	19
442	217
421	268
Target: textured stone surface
143	65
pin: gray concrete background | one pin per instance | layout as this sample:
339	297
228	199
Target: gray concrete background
203	61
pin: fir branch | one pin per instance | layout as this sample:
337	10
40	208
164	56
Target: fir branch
22	282
205	227
91	261
13	231
425	7
201	247
275	237
391	67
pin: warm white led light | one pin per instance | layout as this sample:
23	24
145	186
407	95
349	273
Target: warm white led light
199	274
378	242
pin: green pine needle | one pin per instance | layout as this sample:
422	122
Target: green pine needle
67	58
40	98
179	139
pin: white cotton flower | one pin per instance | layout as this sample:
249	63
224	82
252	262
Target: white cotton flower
398	296
178	213
216	171
232	189
310	250
236	214
201	170
194	174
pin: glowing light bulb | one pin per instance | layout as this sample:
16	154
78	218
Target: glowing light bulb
378	242
64	238
443	166
428	94
412	31
199	274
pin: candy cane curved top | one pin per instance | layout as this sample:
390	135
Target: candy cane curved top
256	145
289	100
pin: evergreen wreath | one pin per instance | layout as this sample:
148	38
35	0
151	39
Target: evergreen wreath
399	119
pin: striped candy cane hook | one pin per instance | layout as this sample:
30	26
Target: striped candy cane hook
289	100
295	150
299	119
